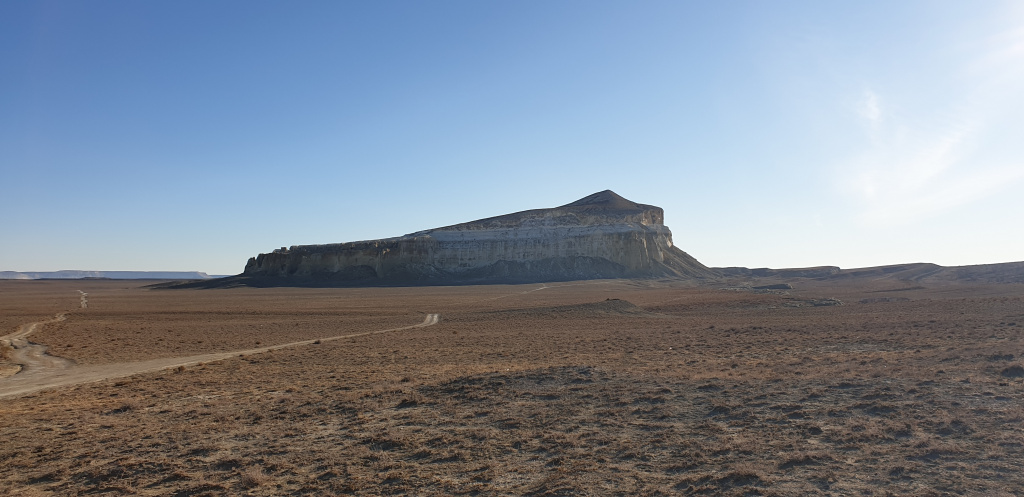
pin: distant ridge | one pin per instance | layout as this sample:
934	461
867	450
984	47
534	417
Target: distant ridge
918	272
110	275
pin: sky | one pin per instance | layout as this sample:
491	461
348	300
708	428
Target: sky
192	135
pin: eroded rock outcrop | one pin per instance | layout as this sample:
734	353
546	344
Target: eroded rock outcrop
600	236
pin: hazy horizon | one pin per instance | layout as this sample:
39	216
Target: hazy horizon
192	136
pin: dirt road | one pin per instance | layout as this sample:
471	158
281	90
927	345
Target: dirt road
32	357
41	371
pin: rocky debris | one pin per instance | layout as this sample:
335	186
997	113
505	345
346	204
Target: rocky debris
879	300
585	310
599	236
760	290
805	272
904	289
777	286
812	302
1000	357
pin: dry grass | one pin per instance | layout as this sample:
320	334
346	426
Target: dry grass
26	301
556	392
255	477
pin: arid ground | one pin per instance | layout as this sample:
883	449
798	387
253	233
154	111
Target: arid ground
607	387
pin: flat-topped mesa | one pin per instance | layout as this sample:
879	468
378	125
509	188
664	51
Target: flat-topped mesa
599	236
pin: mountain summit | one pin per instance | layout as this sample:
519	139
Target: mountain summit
599	236
606	200
600	209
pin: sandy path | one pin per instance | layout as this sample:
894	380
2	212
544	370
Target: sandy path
41	371
32	357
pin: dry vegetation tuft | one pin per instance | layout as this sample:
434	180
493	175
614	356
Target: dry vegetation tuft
255	477
5	351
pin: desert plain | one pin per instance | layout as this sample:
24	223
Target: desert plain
604	387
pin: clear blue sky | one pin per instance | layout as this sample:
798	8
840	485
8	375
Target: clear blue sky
193	135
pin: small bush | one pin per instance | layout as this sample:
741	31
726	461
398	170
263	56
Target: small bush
127	406
254	477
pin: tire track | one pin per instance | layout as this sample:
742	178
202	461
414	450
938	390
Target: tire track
30	357
43	374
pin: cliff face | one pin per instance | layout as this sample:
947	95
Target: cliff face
600	236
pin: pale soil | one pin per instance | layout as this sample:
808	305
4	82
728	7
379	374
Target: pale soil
25	301
27	359
534	390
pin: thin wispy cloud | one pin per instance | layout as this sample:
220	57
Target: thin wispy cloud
918	166
869	107
1004	48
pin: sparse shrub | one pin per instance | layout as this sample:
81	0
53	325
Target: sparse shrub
407	403
748	473
799	459
5	351
1014	415
127	406
254	477
122	486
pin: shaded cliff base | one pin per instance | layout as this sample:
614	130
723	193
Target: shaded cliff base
903	276
553	269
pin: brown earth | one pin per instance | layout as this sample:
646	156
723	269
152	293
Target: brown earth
25	301
607	387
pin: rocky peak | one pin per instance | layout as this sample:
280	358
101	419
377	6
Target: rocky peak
605	200
599	209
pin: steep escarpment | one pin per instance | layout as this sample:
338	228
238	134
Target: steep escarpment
600	236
